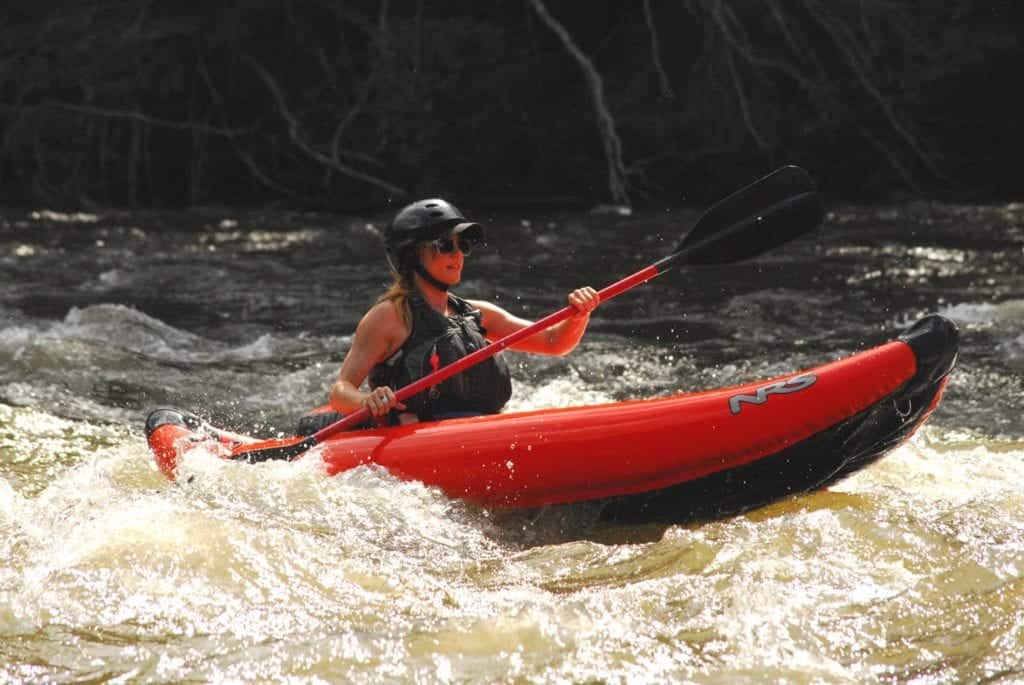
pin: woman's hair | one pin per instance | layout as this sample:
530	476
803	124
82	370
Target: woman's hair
398	294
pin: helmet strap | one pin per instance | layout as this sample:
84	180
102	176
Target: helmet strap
443	287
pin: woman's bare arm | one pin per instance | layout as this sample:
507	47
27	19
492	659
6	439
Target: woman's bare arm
560	339
379	333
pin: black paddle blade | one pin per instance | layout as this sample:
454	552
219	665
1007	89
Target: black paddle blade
774	210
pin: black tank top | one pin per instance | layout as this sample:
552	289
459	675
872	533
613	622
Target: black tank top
436	341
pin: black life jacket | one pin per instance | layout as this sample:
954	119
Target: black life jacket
436	341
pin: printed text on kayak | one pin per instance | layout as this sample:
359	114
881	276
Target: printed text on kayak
780	388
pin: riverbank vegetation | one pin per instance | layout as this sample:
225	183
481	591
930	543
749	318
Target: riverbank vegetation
353	105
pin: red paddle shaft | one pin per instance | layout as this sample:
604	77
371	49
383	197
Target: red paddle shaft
483	353
765	214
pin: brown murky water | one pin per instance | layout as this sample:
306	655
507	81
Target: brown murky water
911	571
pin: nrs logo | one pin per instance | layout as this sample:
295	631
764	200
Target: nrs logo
781	388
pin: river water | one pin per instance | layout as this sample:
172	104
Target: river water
910	571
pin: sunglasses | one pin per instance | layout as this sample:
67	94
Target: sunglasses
449	245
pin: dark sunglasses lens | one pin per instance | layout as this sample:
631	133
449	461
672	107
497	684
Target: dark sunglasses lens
448	246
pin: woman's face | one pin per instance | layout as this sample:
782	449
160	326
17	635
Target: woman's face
443	258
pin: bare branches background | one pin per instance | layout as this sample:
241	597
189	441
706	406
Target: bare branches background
360	104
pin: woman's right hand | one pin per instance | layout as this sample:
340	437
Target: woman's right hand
380	401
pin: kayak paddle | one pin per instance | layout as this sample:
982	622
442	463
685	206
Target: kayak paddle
769	212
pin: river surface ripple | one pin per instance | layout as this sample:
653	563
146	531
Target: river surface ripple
910	571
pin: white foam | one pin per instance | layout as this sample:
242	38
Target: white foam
940	469
985	312
64	217
8	502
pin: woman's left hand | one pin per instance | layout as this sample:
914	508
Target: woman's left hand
585	300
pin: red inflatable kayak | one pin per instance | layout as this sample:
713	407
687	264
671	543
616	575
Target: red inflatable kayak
675	458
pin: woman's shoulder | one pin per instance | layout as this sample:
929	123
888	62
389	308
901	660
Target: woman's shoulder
383	317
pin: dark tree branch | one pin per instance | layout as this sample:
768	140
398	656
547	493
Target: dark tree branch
295	134
663	82
606	123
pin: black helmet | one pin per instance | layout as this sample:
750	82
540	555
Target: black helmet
425	220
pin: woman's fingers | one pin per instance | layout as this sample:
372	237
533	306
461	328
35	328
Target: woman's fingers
376	402
585	299
380	401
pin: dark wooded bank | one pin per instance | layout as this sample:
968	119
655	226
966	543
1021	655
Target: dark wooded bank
357	104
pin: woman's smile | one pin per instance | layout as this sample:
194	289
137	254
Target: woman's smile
455	269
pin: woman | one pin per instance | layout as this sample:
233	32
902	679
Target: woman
418	326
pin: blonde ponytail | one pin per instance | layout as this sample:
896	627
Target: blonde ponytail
398	294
